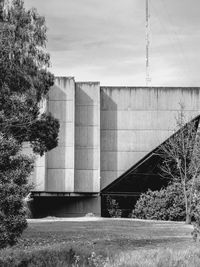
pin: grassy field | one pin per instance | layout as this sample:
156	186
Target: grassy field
121	240
109	234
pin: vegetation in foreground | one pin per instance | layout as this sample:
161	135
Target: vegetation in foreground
157	258
59	255
181	159
97	243
165	204
56	255
24	84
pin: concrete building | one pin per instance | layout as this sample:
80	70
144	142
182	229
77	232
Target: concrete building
104	132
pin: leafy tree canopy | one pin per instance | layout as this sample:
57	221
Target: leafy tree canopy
25	79
24	84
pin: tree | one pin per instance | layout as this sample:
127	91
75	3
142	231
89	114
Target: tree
14	171
24	85
181	160
25	79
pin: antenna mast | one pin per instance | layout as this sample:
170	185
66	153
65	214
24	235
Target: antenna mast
148	79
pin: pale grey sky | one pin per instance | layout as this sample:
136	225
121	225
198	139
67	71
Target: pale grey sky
104	40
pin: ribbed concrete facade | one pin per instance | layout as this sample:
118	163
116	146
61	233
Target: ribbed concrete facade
103	132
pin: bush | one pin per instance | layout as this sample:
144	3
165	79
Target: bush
113	207
166	204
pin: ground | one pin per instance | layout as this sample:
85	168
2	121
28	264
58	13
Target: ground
108	235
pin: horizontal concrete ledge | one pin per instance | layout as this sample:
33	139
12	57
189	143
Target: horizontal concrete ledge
103	109
88	82
136	194
71	218
64	194
152	87
65	77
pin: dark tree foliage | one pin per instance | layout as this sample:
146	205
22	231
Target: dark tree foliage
24	84
25	79
165	204
14	170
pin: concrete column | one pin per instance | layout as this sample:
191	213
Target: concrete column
87	136
60	160
38	177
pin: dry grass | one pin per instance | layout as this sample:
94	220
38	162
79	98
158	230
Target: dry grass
157	258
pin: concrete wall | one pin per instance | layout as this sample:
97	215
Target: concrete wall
60	160
136	120
87	137
38	177
73	166
40	171
103	132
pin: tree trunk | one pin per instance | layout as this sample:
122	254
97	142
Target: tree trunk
188	218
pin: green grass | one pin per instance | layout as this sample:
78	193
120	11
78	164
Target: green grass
110	234
125	242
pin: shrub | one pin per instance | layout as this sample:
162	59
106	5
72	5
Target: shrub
113	207
166	204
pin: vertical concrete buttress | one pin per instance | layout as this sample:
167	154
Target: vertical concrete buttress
87	137
38	177
60	160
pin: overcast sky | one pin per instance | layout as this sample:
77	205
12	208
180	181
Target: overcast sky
104	40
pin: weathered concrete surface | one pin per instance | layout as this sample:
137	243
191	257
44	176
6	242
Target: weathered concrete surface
40	171
136	120
60	161
73	166
87	137
38	177
103	132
